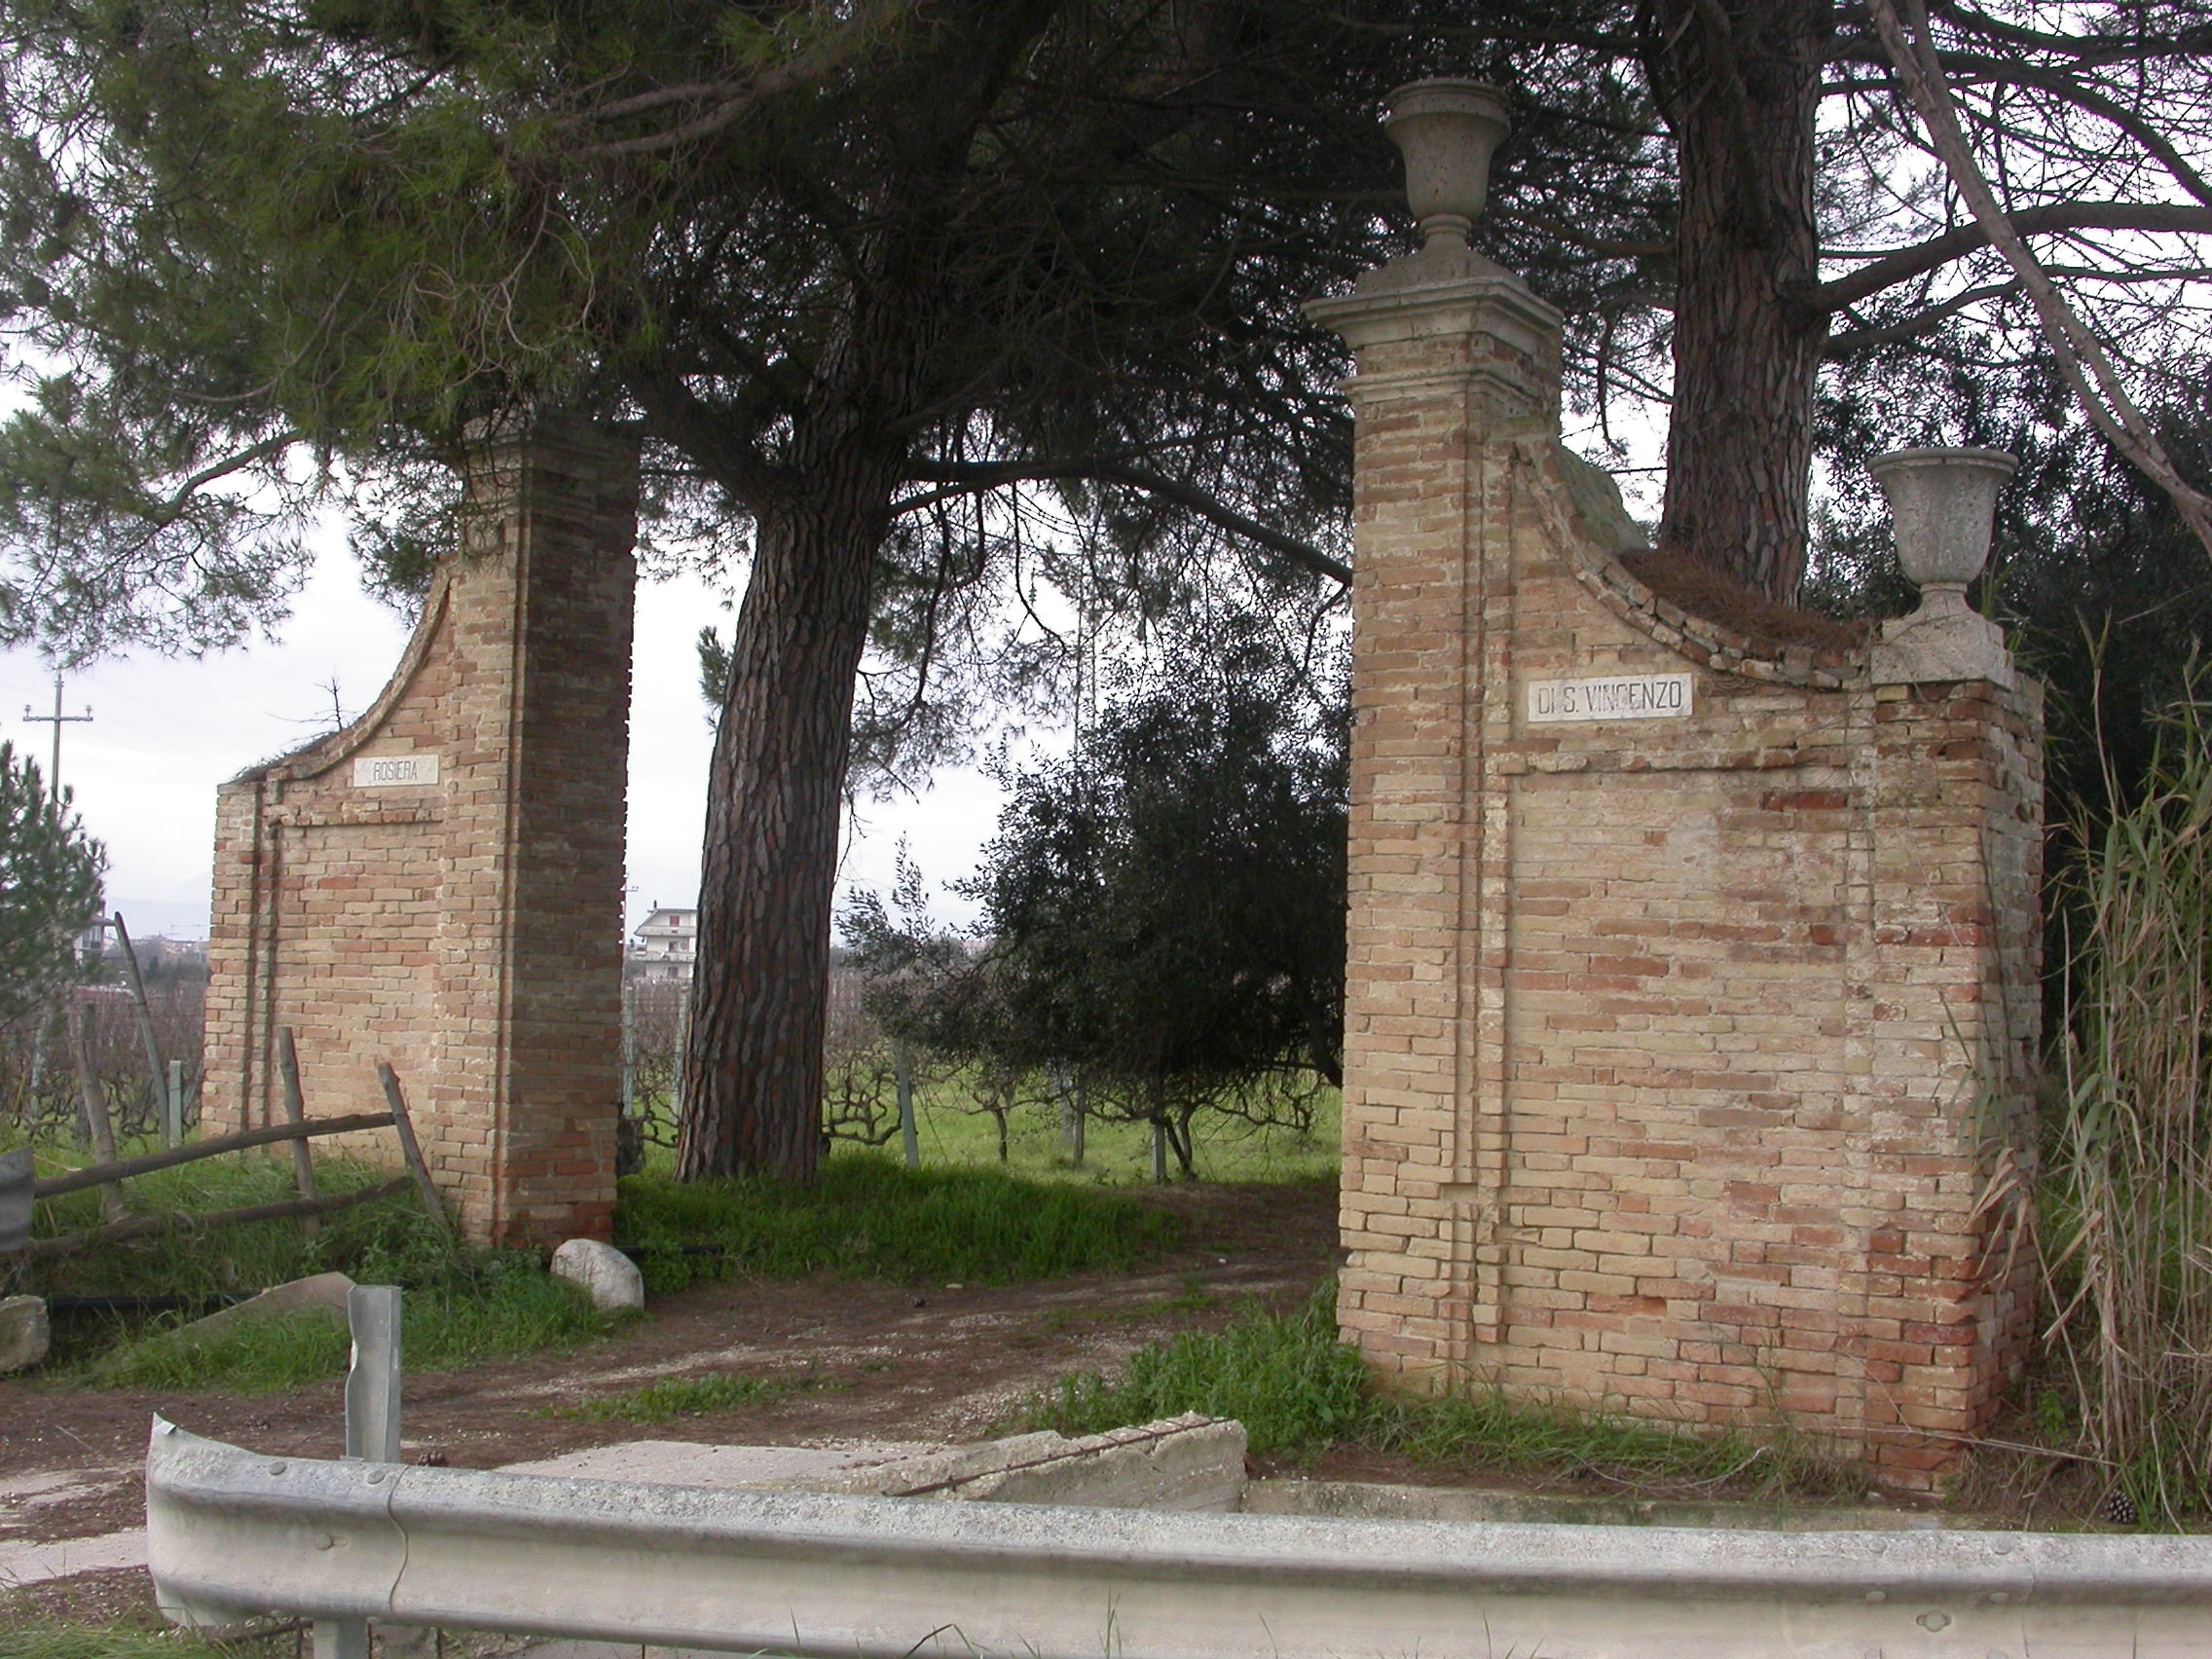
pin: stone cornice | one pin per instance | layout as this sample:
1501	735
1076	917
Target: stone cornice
1576	529
1436	292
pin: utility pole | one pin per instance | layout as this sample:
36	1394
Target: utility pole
58	720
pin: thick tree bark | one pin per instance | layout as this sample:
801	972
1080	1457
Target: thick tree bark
753	1064
1740	82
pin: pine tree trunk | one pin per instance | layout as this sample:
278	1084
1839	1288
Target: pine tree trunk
1740	82
752	1075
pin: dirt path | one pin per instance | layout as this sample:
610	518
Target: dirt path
875	1362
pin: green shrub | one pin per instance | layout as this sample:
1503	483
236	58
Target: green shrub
869	1217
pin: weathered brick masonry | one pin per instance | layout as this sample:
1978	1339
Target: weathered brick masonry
1680	1051
463	921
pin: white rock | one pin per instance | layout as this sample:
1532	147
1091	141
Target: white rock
24	1333
608	1277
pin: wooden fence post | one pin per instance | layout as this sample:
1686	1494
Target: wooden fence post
903	1066
172	1107
145	1012
96	1122
296	1112
409	1148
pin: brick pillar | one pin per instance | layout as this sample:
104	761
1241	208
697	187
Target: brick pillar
529	959
1457	360
1691	991
440	884
1954	1026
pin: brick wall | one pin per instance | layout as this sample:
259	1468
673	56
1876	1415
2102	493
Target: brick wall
1679	1051
467	929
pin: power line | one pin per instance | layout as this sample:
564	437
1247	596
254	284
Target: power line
58	720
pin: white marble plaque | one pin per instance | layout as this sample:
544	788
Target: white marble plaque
1610	697
384	771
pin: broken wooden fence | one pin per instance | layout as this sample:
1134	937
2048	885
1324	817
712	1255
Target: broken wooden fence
19	1188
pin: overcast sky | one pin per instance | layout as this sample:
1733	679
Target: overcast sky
165	733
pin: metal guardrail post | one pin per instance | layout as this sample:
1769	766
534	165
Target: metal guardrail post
372	1380
372	1424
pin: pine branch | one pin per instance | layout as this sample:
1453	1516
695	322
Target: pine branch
1907	263
968	479
2073	347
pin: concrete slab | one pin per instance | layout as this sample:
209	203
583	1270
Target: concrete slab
318	1293
36	1563
1186	1463
37	1489
685	1462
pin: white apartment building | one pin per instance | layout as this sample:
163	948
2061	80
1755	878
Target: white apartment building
663	946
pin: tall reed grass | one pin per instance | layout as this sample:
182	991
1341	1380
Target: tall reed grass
2127	1226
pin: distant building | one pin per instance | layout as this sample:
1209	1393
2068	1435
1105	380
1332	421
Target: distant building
663	946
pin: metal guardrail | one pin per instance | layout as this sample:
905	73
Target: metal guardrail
231	1533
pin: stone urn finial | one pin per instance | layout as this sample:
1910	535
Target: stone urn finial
1942	502
1446	130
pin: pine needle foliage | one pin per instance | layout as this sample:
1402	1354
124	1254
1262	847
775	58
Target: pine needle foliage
50	885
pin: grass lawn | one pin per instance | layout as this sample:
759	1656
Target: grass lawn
964	1216
951	1132
133	1641
869	1217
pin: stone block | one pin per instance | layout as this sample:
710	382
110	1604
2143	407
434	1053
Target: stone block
318	1293
24	1334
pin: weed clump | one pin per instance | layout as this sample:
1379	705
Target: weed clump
1284	1375
1299	1391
